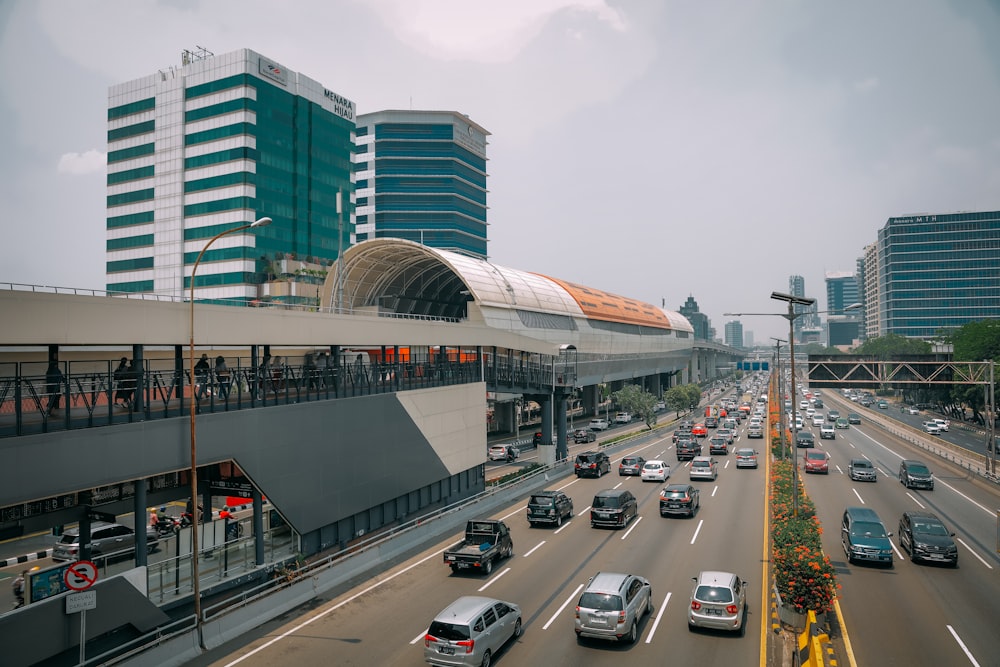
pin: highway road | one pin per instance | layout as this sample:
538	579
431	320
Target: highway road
383	621
911	614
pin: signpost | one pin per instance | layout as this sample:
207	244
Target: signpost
80	576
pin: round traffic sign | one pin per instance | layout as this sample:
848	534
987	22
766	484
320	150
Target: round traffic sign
81	575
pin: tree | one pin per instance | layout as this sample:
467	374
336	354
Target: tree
892	346
633	398
975	341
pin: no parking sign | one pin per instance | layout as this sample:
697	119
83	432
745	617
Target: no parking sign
80	576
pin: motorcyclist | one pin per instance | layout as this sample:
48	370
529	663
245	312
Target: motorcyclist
17	586
510	454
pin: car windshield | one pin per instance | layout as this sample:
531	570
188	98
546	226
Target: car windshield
919	469
449	631
868	529
541	500
652	466
816	455
629	461
699	464
862	464
929	528
745	452
69	539
606	501
714	594
601	601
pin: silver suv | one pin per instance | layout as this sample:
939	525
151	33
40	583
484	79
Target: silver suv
106	539
611	606
470	631
718	601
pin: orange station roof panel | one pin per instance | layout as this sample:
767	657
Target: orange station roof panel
600	305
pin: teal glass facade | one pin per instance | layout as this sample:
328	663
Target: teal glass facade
938	272
425	180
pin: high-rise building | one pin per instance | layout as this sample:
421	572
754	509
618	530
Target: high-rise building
938	272
841	291
699	320
870	291
216	143
808	317
421	176
734	334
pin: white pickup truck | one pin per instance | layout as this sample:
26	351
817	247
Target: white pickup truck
599	424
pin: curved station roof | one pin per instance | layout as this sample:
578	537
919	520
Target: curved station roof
407	278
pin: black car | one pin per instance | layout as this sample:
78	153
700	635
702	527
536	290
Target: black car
679	499
805	439
584	435
549	507
613	507
631	465
925	536
688	449
591	464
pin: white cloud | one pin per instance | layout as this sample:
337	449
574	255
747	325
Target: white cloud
82	163
866	85
480	32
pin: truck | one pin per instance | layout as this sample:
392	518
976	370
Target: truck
486	541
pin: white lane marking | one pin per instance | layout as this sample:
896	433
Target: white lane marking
727	465
585	510
634	524
507	516
419	637
716	488
914	499
323	614
533	549
961	644
697	530
566	486
839	470
858	495
562	528
656	622
570	599
982	507
617	485
973	552
898	552
497	576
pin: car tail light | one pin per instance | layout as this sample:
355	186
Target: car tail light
469	644
428	638
621	617
731	609
578	611
695	605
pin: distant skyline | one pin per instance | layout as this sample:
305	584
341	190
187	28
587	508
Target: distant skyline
653	150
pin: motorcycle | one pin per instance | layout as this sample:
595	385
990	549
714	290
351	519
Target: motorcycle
166	525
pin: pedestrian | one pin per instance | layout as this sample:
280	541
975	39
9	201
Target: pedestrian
130	383
223	377
120	380
17	586
201	371
309	368
53	386
277	373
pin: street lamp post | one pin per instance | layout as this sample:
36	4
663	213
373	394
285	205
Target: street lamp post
781	395
195	518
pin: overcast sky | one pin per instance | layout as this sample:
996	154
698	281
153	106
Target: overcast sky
655	149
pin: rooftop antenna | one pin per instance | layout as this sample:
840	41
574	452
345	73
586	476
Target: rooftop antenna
200	53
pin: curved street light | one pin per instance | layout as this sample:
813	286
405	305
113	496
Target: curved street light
791	316
195	518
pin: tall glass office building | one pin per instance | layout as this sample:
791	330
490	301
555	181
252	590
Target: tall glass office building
216	143
938	272
421	176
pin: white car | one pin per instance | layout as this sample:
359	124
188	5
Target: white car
818	420
943	424
703	467
623	418
499	452
599	424
655	471
913	411
932	428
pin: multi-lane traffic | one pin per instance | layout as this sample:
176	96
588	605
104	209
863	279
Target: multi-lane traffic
384	621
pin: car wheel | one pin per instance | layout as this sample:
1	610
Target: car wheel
487	659
488	568
559	520
517	628
633	634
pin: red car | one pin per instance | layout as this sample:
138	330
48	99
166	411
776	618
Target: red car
699	430
817	461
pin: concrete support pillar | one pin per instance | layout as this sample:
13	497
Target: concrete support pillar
139	400
546	450
258	526
141	521
589	399
561	448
